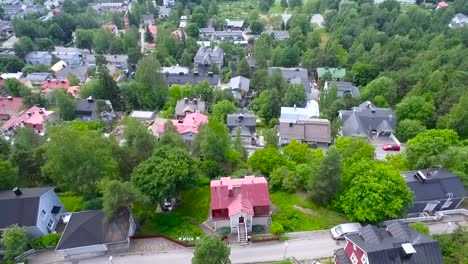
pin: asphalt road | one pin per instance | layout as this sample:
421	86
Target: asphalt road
320	246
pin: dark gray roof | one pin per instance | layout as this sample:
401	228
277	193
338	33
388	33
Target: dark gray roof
90	228
248	120
190	79
341	257
21	210
439	182
361	120
86	106
294	76
240	83
189	105
383	245
207	55
38	76
345	87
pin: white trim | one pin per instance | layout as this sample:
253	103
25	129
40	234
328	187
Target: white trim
461	201
354	244
353	258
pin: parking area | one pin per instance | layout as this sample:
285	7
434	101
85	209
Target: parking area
379	142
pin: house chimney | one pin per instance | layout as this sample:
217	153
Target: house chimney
186	100
195	101
294	107
17	191
10	98
90	99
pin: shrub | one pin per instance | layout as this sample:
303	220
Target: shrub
258	229
420	227
224	231
46	241
277	229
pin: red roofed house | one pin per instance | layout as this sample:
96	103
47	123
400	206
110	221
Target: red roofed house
49	86
240	203
74	91
187	128
112	28
35	118
441	5
10	106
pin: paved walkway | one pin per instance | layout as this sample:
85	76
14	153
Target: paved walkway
152	245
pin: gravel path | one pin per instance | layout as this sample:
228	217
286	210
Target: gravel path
152	245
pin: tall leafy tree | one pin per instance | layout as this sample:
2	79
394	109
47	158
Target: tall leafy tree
211	250
295	96
119	195
297	152
243	68
408	129
416	108
216	142
8	175
65	104
166	173
266	160
15	241
326	183
222	108
84	39
153	90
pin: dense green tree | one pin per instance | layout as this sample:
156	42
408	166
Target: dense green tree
8	175
14	240
326	183
23	46
298	152
117	195
84	39
408	129
416	108
382	86
256	27
260	81
56	33
211	250
192	30
270	137
295	96
262	51
216	141
65	105
102	40
168	171
243	68
376	192
266	160
78	160
284	4
238	145
153	89
456	118
282	179
221	109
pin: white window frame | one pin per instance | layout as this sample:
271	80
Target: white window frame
364	259
50	224
354	259
430	206
43	214
447	204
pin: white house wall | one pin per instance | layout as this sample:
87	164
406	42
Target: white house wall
235	221
265	221
46	203
88	251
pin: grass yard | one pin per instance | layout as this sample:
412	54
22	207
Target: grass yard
71	202
183	221
276	8
297	214
236	10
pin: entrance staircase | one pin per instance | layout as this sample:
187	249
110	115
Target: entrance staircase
242	234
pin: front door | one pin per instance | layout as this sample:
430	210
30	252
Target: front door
241	220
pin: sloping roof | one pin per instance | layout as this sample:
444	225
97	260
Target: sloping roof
439	182
246	193
191	79
143	115
296	113
290	73
234	23
248	120
90	228
21	210
85	105
344	87
38	76
384	245
190	124
10	103
341	257
240	83
189	105
33	116
207	55
366	117
54	84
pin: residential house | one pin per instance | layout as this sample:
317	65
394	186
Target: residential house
187	128
442	5
88	109
89	233
434	190
35	118
38	210
235	24
246	123
175	70
49	86
6	29
188	106
278	34
111	7
234	36
400	1
240	87
183	22
164	11
147	19
394	243
206	33
318	20
310	131
10	11
309	111
143	115
294	76
195	78
10	106
38	57
7	75
342	88
459	20
240	204
74	91
207	56
118	60
336	73
37	78
153	29
169	3
366	120
112	28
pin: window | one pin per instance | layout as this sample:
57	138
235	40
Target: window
364	259
446	204
354	259
43	213
431	206
50	224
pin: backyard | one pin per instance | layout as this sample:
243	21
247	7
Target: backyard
71	202
183	221
295	213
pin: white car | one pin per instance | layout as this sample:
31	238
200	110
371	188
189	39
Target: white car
339	231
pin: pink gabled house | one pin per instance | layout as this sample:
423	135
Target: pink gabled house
49	86
10	106
240	203
187	127
35	118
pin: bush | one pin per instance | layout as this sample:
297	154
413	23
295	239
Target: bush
277	229
420	227
224	231
50	240
258	229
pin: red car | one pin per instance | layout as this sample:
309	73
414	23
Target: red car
388	147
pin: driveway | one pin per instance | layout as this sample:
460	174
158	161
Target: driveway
378	143
321	245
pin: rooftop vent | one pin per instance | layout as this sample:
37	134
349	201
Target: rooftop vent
210	74
420	176
195	101
17	191
9	98
408	249
90	99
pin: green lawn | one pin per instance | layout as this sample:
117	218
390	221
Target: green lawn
236	10
306	218
276	8
183	221
71	202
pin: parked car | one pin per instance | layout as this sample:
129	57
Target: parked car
339	231
388	147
